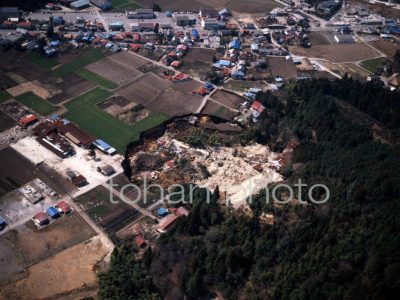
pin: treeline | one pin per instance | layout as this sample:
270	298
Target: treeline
345	249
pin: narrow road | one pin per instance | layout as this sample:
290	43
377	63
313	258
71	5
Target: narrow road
131	203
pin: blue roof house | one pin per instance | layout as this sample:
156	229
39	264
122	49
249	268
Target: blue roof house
235	44
53	212
162	211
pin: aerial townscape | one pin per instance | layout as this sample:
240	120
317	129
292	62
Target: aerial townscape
200	149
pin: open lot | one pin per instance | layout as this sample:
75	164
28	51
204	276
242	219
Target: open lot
84	111
281	67
68	272
5	122
36	103
337	52
319	38
85	58
16	208
110	216
5	81
113	71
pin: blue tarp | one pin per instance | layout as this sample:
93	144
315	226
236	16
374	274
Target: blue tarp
53	212
2	222
195	33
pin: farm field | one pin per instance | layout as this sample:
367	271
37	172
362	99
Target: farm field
242	86
36	103
5	122
110	216
84	112
252	6
70	86
125	4
162	96
46	62
387	47
373	65
81	61
337	52
227	99
113	71
217	110
105	83
4	96
16	170
184	5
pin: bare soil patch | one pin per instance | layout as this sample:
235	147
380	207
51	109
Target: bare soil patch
70	271
36	245
282	67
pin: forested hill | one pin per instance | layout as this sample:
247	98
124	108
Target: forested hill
346	249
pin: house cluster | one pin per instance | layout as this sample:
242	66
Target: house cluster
82	4
169	217
52	213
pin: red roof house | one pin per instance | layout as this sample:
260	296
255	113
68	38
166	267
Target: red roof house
63	207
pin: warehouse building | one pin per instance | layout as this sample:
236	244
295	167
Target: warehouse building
140	14
9	12
80	4
327	9
102	4
184	20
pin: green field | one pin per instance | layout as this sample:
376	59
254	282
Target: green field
373	65
86	58
4	96
36	103
125	4
105	83
84	112
38	59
